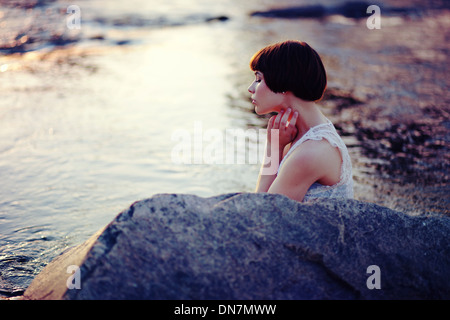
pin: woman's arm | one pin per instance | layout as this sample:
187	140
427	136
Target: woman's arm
279	135
299	172
269	168
310	162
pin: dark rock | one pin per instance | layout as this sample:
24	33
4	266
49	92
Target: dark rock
341	99
413	150
255	246
354	10
218	18
351	9
313	11
123	42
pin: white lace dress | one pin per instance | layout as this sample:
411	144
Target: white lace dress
343	188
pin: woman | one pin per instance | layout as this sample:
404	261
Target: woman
313	160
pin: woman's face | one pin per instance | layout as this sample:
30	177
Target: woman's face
264	99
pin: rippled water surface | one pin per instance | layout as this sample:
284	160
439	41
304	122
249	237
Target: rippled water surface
89	118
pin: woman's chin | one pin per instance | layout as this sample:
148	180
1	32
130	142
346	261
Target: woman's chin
259	111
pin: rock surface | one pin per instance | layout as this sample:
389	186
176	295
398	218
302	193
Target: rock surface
351	9
255	246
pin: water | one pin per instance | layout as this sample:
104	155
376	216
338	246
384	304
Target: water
88	128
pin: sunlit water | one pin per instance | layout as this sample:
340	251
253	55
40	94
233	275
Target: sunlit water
83	139
88	130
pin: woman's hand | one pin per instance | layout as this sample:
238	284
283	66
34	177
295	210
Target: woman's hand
287	129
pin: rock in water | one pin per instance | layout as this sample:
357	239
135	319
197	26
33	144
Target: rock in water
254	246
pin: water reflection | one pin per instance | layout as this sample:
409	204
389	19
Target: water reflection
87	129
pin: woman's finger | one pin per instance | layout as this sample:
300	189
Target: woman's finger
271	122
294	118
278	119
285	118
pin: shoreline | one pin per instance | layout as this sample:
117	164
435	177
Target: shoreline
386	97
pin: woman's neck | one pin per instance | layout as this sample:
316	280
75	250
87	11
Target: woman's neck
309	114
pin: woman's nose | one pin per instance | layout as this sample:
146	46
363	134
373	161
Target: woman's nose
250	89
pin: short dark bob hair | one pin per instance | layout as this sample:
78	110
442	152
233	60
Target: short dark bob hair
292	66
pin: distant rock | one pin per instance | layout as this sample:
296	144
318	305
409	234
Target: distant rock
351	9
255	246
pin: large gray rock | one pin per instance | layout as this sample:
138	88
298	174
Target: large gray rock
255	246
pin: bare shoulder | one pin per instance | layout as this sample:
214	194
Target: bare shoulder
317	158
317	151
311	161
